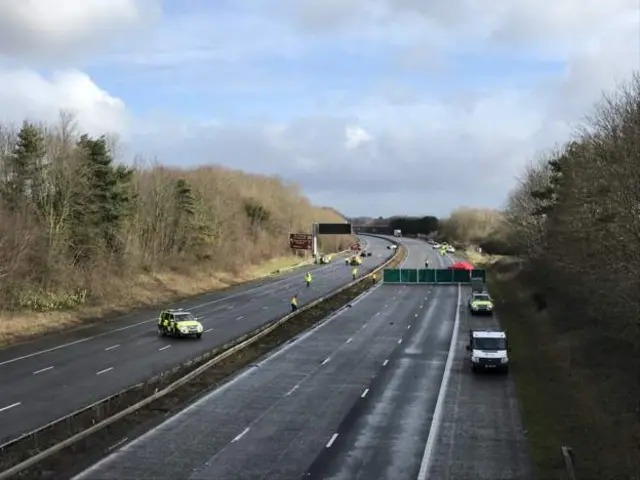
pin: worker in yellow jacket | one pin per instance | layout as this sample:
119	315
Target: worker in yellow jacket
294	303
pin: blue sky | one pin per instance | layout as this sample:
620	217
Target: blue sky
410	101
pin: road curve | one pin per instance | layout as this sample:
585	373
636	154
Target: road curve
276	419
47	379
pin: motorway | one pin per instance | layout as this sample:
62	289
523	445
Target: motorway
52	377
352	398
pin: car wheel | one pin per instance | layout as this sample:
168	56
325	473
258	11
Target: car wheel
198	335
505	370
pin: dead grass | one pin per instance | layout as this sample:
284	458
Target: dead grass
566	399
150	289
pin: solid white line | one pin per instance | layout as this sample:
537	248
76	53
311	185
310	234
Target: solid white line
117	444
437	413
325	360
364	394
384	364
240	435
104	371
349	340
10	406
112	347
42	370
333	439
164	348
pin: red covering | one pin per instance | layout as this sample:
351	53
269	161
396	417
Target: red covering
461	266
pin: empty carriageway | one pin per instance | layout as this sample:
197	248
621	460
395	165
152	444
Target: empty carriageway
273	420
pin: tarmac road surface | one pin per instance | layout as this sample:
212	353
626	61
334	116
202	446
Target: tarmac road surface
384	355
44	380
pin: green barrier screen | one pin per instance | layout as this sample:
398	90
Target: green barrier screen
431	276
391	275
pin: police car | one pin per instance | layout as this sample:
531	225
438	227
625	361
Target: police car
480	303
488	350
179	323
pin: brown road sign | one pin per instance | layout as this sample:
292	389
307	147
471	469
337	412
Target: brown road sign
301	241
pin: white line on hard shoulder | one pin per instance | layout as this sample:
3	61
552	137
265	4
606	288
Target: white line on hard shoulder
17	404
331	440
42	370
164	348
326	360
437	413
240	435
384	364
295	387
104	371
112	347
364	394
349	340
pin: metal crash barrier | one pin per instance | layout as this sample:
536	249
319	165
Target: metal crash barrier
432	276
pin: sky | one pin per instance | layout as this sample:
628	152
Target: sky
375	107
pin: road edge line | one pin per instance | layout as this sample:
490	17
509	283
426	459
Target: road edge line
436	421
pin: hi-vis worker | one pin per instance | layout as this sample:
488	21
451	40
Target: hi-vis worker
374	277
307	278
294	303
354	272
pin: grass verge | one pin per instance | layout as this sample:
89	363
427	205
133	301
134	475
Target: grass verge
565	399
79	454
144	291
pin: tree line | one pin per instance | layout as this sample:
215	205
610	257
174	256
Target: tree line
75	222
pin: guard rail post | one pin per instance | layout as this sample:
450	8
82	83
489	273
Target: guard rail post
568	457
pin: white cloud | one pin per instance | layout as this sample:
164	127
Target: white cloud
402	150
26	94
43	29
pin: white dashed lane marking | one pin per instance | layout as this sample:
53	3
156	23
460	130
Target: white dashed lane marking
17	404
112	347
42	370
240	435
364	394
104	371
384	364
164	348
331	440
